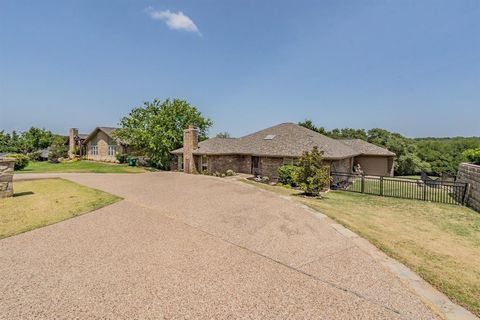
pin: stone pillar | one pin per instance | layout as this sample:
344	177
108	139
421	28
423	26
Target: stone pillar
190	143
470	173
72	143
6	177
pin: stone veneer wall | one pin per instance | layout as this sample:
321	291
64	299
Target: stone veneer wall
72	133
6	177
470	173
102	149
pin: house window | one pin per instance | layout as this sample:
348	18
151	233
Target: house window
112	147
204	163
289	161
112	150
93	147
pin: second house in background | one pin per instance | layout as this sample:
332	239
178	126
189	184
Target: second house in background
99	145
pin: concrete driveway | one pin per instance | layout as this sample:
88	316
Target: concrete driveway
195	247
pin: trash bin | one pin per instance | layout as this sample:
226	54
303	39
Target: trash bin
132	162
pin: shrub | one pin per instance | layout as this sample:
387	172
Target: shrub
265	179
285	174
21	160
121	157
144	161
156	128
230	173
472	155
311	174
35	156
58	150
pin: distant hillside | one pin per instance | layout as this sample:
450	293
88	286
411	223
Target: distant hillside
444	154
449	139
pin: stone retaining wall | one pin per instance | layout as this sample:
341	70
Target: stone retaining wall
6	177
470	173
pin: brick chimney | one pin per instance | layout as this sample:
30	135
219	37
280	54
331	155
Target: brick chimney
73	133
190	143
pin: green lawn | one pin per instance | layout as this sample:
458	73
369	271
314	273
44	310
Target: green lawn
440	242
38	203
81	166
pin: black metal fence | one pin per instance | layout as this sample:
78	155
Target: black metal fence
450	192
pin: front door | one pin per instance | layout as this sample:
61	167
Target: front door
255	161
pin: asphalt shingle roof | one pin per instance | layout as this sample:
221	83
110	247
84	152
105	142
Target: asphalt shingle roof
366	148
107	130
283	140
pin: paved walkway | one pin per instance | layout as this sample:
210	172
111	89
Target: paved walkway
195	247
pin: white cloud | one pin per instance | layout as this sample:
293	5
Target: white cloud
175	21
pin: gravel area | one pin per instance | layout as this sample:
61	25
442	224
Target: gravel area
195	247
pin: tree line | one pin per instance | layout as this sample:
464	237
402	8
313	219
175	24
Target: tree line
29	141
413	155
26	146
156	128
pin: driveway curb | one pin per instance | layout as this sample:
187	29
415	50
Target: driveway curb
433	298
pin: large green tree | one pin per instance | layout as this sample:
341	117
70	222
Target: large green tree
156	128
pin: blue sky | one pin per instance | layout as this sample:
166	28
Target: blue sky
407	66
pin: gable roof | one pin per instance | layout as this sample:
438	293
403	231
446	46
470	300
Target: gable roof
367	148
107	130
283	140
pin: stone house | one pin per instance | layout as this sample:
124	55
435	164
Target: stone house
99	145
263	152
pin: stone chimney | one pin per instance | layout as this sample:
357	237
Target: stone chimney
73	133
190	143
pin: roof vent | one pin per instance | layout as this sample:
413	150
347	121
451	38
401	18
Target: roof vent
269	137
